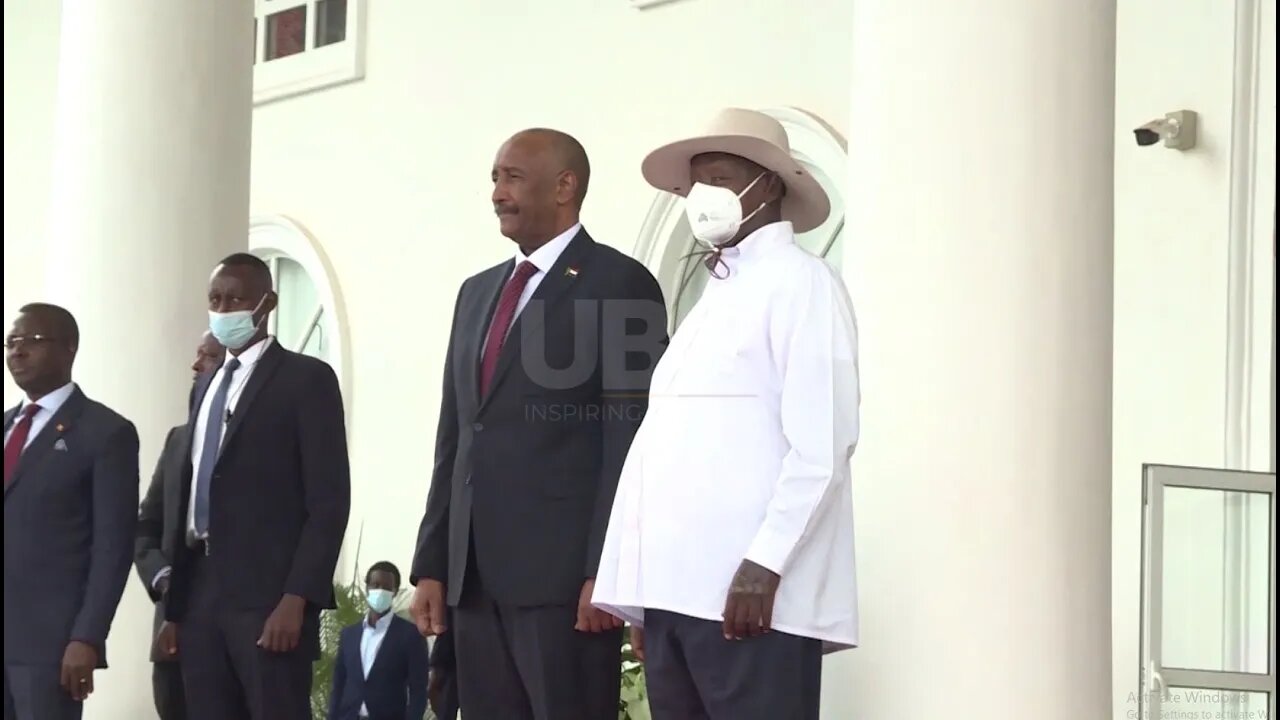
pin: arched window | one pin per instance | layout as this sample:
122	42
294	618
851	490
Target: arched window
665	240
309	318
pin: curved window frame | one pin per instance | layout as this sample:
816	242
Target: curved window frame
273	237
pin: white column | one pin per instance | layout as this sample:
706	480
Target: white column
150	189
980	260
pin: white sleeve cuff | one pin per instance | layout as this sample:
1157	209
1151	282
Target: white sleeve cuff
162	574
769	551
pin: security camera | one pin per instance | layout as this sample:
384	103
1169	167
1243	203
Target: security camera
1148	134
1176	129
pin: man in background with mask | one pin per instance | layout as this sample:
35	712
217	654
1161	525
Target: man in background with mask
266	495
381	666
153	550
730	545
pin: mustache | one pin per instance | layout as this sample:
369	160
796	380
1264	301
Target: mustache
505	210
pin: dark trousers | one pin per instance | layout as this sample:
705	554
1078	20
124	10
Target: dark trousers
447	705
528	663
693	673
34	692
226	676
166	688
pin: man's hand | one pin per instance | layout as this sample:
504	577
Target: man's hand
637	642
78	663
428	609
748	611
283	628
589	618
165	647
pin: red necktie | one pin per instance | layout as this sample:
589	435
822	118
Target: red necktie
502	317
17	441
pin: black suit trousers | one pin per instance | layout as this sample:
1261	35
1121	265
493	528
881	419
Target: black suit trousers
528	663
226	676
166	688
34	692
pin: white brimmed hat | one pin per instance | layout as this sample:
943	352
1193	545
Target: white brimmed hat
752	135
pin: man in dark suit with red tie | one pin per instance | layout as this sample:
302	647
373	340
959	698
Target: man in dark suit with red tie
70	504
545	382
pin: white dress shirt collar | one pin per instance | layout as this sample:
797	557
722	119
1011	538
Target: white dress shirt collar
251	354
52	402
546	256
759	244
49	406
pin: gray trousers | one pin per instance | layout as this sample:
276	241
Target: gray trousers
693	673
34	692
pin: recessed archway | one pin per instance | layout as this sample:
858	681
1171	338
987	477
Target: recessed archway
310	317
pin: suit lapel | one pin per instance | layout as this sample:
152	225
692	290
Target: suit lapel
550	291
356	659
9	415
490	290
271	358
189	433
187	445
177	479
40	446
387	642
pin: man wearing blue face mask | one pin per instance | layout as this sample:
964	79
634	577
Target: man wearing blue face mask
381	669
744	453
265	496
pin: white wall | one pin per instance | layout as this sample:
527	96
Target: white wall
1177	342
30	82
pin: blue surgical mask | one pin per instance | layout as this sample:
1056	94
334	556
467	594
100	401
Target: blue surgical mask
234	330
380	600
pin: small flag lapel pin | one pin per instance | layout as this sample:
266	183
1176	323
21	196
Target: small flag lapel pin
571	271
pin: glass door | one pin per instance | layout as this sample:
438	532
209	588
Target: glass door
1208	594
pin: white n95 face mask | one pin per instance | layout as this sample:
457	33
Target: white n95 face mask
715	213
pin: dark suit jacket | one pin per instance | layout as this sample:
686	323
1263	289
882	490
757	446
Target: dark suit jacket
530	470
397	683
69	518
281	489
154	547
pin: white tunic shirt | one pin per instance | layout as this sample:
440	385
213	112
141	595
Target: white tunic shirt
744	452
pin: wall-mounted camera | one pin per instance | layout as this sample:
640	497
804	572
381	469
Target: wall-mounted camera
1176	129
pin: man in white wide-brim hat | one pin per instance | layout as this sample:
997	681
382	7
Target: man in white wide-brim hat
731	537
